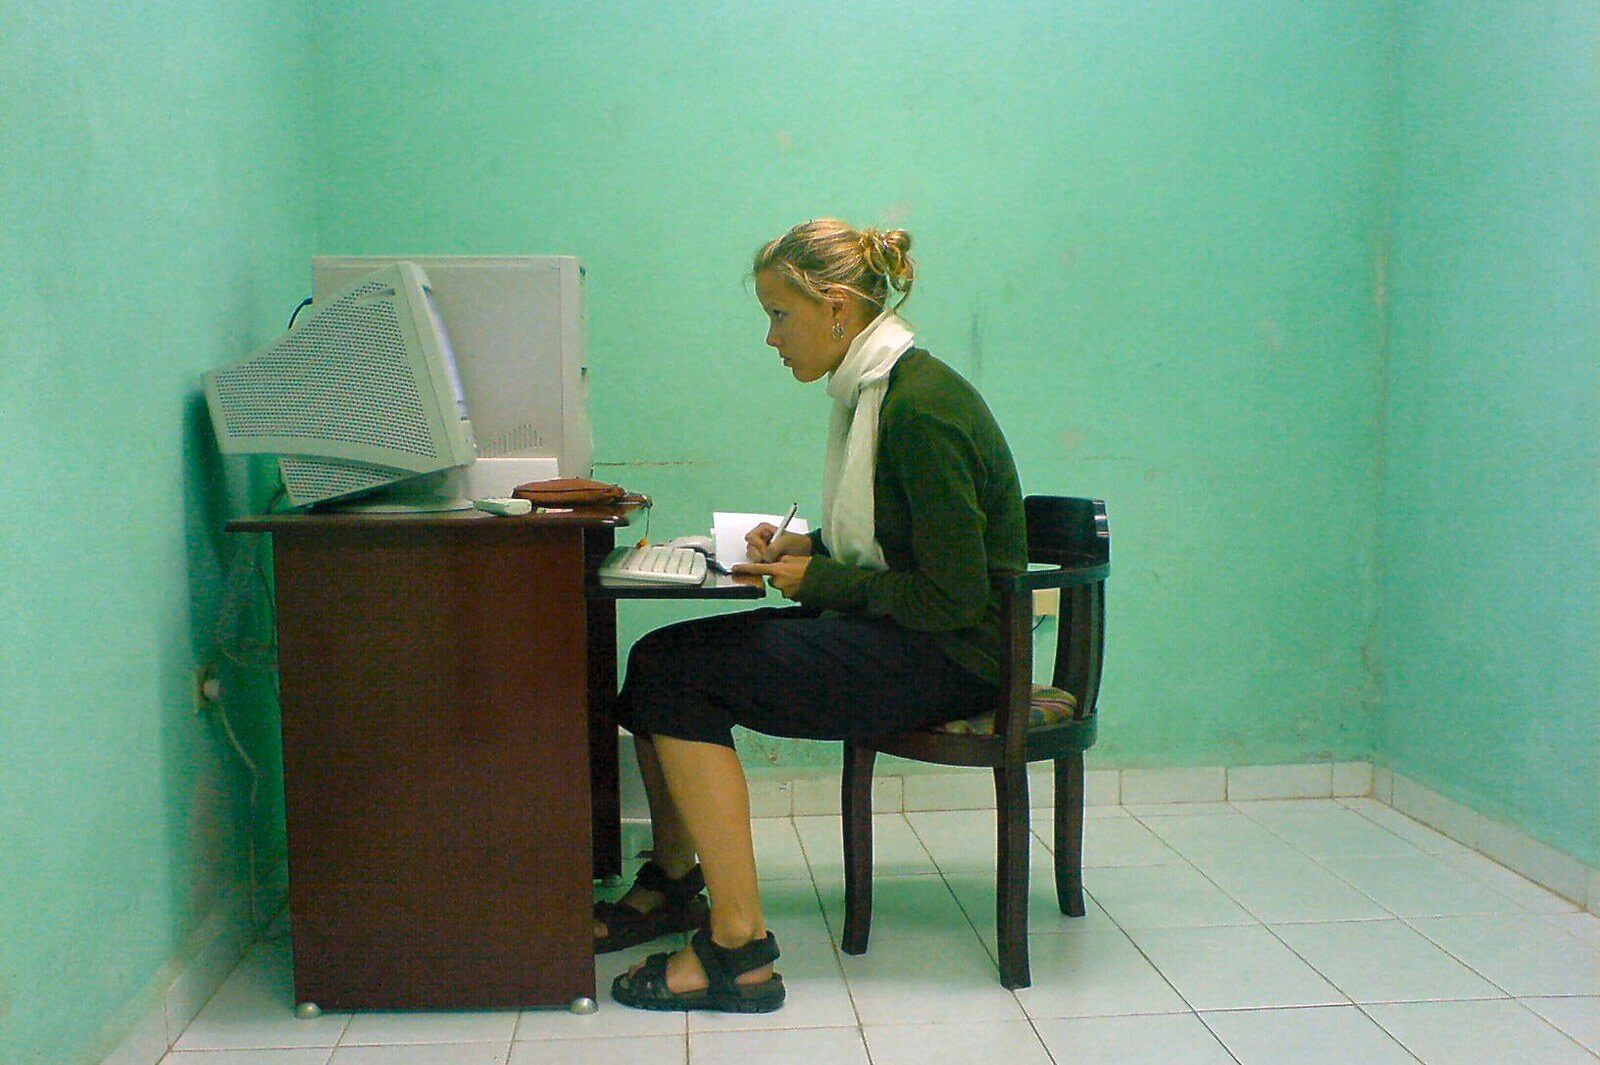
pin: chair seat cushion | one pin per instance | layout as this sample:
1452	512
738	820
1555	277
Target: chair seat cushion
1050	706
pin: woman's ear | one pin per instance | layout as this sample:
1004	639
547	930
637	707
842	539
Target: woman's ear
841	305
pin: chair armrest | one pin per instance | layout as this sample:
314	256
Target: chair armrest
1056	577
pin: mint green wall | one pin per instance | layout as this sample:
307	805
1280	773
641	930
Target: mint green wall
1490	621
1155	234
1147	233
156	222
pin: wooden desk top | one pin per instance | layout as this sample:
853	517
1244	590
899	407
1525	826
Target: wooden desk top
596	517
715	586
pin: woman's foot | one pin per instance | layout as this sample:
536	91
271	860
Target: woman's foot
706	976
686	974
657	904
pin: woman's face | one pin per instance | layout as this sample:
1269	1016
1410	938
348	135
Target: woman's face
800	328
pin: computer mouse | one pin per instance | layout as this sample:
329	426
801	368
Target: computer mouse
703	544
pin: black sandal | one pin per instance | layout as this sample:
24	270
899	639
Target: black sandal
683	909
647	989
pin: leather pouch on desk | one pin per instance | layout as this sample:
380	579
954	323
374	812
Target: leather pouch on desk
574	492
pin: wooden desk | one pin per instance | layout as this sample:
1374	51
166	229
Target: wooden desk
450	752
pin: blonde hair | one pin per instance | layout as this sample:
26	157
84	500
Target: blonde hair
826	256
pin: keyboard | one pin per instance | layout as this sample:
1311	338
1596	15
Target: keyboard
667	565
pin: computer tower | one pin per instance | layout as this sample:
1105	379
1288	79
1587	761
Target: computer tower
519	329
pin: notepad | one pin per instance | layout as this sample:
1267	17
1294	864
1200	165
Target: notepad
728	530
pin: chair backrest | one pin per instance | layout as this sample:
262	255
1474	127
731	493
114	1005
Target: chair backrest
1074	533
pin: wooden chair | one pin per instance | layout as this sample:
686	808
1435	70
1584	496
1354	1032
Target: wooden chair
1072	538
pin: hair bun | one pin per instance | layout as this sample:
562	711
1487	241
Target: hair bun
826	256
888	254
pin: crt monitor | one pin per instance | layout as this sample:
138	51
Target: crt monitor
360	402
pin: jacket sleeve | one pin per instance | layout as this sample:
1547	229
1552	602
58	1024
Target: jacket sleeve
818	548
946	586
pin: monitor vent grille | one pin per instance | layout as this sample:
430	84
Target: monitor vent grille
318	385
312	480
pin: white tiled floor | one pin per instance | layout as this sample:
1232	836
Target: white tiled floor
1296	932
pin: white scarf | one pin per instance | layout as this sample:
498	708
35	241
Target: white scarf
857	388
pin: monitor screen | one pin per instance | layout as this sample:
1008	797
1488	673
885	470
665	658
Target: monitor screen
362	395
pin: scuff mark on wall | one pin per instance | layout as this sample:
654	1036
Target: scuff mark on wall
1272	337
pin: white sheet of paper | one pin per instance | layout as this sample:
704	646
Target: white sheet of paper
728	530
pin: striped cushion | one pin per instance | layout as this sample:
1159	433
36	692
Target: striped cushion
1051	706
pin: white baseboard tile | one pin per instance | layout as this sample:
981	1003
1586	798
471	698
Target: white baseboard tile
146	1043
1042	786
813	795
771	798
1539	862
1102	787
888	794
212	952
1153	786
963	789
1446	815
1505	844
818	794
1352	780
1248	782
208	967
1383	785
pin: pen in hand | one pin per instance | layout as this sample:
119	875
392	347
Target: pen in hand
783	527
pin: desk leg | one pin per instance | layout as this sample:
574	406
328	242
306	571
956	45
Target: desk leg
604	787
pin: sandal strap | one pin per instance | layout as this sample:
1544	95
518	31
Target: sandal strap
652	877
650	982
723	965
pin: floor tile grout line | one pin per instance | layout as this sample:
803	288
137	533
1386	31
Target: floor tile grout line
1551	1024
1322	863
1467	1002
1464	848
1393	915
1409	922
833	942
1226	1049
993	955
1395	1039
1259	923
1385	828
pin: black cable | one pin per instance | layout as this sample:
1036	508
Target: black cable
303	305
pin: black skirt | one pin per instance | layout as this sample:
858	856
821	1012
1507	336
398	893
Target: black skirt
795	672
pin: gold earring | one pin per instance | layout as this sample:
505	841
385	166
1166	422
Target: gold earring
838	330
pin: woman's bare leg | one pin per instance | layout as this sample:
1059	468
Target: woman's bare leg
673	849
707	787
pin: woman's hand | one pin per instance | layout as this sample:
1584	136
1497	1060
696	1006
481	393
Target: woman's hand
759	545
786	574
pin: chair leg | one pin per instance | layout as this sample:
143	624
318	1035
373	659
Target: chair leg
855	806
1011	875
1069	834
